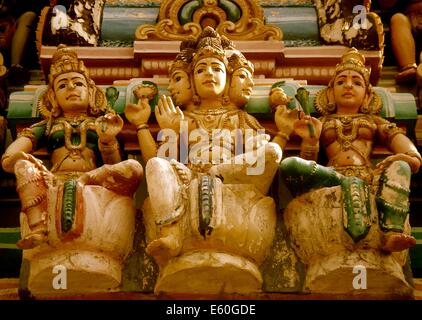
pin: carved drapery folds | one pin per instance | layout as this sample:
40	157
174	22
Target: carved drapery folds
185	19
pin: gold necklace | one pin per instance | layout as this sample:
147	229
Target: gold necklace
214	112
346	140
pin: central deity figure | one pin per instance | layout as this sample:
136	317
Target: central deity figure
211	219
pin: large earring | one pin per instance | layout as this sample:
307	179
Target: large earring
226	100
55	108
331	105
196	100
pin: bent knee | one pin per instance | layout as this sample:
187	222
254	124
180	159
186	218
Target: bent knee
399	20
293	165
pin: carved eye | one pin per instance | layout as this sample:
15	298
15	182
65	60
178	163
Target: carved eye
340	82
178	78
358	83
79	84
62	86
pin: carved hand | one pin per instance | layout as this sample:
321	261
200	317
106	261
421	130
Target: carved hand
38	164
168	116
139	113
108	127
285	119
302	128
256	141
413	162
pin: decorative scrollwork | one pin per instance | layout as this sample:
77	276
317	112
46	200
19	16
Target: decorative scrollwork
236	19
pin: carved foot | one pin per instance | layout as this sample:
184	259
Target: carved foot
407	74
164	248
32	240
394	242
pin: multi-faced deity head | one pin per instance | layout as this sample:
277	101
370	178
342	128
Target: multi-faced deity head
241	80
209	66
180	84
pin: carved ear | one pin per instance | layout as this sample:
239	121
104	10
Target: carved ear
366	104
330	96
97	99
51	97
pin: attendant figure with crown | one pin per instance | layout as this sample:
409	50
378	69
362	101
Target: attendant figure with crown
354	211
76	209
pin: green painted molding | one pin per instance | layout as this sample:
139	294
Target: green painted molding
396	106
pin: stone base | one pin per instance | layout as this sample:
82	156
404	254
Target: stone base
315	223
336	274
209	272
85	272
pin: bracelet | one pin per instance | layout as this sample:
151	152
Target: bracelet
309	151
415	154
142	126
283	135
108	148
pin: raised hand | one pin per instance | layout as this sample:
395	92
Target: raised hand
167	115
285	119
139	113
307	127
108	127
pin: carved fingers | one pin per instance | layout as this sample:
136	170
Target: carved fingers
413	162
307	127
138	114
108	127
167	115
285	119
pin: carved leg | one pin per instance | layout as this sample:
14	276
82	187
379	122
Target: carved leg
393	206
122	178
167	184
32	190
256	168
302	175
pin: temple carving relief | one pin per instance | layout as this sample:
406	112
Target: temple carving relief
207	156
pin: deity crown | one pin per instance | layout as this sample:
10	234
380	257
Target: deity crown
353	60
209	44
66	60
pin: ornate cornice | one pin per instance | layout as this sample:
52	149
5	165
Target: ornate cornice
185	19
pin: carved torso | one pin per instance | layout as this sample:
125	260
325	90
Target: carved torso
348	139
220	125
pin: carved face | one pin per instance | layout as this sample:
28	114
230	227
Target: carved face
349	91
210	78
180	88
71	90
241	87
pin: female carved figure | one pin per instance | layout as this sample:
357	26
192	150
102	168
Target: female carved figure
206	220
80	134
347	130
351	212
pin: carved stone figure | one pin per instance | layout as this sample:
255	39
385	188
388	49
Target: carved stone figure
75	214
349	23
406	36
72	22
351	213
207	217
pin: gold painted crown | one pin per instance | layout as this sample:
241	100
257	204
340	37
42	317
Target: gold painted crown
66	60
209	44
237	60
353	60
184	57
